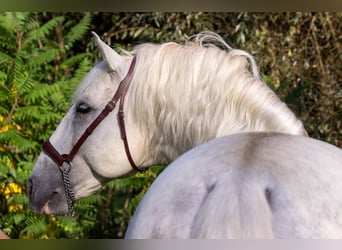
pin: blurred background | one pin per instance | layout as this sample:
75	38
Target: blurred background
44	56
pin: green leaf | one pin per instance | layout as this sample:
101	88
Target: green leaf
12	172
42	32
77	31
36	226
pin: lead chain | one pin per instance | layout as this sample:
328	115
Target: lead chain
69	195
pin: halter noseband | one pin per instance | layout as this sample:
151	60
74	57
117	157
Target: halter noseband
64	160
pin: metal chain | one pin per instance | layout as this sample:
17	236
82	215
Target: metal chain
69	195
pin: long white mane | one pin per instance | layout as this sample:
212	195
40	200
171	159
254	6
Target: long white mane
187	94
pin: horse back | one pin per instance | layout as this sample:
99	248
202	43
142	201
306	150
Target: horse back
252	185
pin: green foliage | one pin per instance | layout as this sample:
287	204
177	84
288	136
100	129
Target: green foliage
42	59
34	94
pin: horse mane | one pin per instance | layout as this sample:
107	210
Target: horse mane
188	94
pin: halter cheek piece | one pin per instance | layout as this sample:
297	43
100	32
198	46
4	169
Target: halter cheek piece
64	160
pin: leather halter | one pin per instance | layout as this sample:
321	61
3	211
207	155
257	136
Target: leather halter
61	159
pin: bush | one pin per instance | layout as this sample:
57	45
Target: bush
37	79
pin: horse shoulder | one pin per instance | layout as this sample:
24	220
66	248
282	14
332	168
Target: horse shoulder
168	207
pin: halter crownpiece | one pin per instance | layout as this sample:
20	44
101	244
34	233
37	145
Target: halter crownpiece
63	161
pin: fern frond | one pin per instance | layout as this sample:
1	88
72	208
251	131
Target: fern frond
7	135
77	31
19	68
41	92
81	71
42	31
88	206
35	225
6	24
44	56
37	113
72	61
91	200
26	85
14	20
5	91
22	143
78	75
18	218
18	199
5	59
31	25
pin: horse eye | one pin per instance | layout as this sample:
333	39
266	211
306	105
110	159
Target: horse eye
83	108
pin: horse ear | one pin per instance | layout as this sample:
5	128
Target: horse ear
113	60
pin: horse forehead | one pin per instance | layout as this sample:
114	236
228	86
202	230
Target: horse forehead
97	82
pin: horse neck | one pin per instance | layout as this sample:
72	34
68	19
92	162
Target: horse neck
257	108
174	130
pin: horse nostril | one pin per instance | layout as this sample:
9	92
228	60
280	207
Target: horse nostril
57	191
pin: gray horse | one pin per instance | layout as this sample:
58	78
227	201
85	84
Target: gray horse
177	96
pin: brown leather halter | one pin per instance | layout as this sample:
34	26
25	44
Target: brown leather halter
64	160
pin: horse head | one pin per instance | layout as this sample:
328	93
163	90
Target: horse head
99	158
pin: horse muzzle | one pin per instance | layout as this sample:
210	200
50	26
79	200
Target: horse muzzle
46	192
